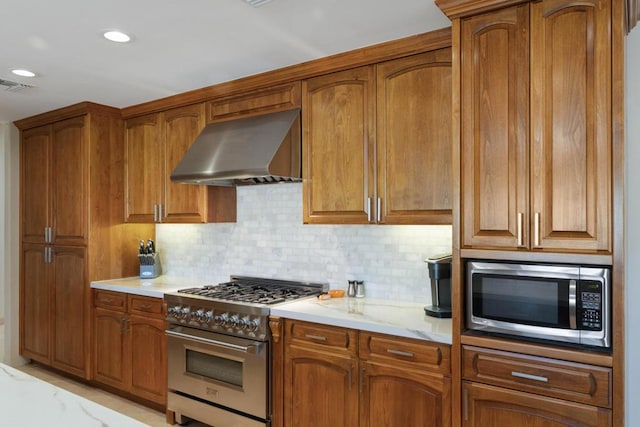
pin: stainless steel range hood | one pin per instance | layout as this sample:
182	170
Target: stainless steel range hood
254	150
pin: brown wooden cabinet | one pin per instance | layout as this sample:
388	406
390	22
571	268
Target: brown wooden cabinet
536	127
154	145
376	144
342	377
504	388
71	211
486	406
130	345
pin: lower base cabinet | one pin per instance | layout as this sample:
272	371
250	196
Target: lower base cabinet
487	406
341	377
130	344
501	389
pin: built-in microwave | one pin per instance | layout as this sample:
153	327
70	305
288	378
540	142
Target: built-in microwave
565	303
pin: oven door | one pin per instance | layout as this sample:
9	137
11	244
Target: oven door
224	370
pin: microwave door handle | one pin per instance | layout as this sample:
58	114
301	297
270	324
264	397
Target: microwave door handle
572	304
248	349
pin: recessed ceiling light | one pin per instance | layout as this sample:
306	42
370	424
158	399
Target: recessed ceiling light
23	73
117	36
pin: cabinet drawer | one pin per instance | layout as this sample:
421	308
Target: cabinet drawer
566	380
323	336
421	354
145	305
110	300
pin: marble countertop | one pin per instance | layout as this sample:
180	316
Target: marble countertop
405	319
148	287
28	401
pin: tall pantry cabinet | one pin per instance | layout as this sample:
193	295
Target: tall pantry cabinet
72	232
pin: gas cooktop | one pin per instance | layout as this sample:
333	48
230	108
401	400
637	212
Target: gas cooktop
256	291
239	307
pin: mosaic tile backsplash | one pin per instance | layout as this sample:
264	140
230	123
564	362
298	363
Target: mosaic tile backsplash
270	240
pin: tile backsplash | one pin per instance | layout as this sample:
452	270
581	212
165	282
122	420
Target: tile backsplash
270	240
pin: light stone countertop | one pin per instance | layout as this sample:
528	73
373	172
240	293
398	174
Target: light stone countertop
148	287
26	401
405	319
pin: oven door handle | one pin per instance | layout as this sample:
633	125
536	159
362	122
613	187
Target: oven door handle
572	304
253	348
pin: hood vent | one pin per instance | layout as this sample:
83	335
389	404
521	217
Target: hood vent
13	86
261	149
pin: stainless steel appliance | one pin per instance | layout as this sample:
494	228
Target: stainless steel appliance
565	303
219	346
440	278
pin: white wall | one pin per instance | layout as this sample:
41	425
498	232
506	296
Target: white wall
270	240
632	226
9	245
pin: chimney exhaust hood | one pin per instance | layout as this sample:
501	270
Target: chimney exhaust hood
260	149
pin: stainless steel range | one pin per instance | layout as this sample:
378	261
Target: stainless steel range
219	349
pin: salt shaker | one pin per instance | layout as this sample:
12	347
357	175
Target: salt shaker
351	290
359	289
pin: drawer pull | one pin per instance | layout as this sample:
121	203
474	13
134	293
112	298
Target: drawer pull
145	306
400	353
529	376
315	337
106	300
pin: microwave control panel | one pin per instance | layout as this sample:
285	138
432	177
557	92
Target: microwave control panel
590	305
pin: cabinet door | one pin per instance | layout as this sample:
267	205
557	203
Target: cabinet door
110	360
182	202
338	125
70	318
148	358
488	406
144	173
414	139
494	129
571	124
69	182
36	298
397	397
320	389
35	183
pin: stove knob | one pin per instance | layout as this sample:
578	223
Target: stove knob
198	316
234	321
243	323
221	319
252	325
184	313
207	317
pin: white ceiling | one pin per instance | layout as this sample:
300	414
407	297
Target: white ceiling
179	45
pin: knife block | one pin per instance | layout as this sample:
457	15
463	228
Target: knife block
150	266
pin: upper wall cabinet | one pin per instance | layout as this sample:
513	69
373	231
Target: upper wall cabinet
268	100
377	143
155	143
54	181
536	127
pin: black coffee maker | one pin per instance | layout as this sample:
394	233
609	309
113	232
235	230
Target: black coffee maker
440	275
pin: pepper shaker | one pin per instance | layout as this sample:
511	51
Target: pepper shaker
359	289
351	290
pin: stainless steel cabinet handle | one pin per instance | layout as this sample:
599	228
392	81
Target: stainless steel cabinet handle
400	352
46	234
253	348
368	209
572	304
155	213
45	255
50	234
536	229
520	216
378	210
315	337
50	255
529	376
159	213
